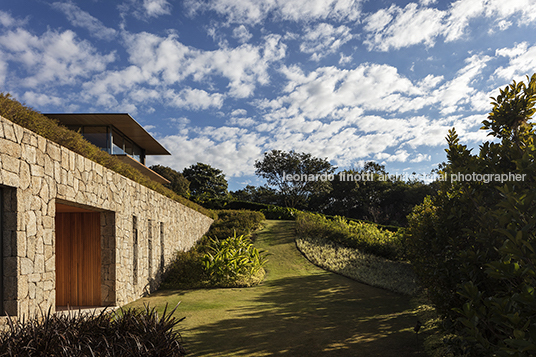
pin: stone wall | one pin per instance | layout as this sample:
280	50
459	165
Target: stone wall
140	228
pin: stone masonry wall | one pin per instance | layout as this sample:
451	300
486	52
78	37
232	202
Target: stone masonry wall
140	228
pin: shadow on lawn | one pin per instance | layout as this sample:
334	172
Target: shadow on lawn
315	315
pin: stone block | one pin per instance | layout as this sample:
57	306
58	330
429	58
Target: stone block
9	132
53	150
50	265
31	223
29	154
39	263
26	266
22	287
24	176
33	278
31	290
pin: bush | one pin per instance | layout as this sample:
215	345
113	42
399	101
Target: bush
363	236
230	222
187	271
234	262
473	245
127	332
282	213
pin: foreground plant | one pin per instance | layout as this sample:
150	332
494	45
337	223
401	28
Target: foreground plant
128	332
473	245
234	261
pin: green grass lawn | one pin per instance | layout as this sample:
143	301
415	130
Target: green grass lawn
299	310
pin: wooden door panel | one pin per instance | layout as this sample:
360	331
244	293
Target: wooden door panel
78	259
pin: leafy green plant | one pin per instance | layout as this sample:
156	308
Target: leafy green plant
364	236
234	261
278	212
229	222
473	245
187	271
124	332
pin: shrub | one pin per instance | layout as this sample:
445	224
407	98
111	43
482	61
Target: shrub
473	245
364	236
187	271
230	222
234	262
126	332
282	213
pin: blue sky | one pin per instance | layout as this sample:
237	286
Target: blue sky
222	81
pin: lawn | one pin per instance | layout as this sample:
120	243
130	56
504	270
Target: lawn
299	310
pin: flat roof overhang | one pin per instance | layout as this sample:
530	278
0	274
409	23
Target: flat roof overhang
122	121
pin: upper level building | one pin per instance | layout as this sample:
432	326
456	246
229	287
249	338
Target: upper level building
118	134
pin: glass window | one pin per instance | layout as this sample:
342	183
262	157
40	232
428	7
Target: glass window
97	135
118	143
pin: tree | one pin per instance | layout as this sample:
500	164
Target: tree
178	183
297	176
473	245
260	194
206	182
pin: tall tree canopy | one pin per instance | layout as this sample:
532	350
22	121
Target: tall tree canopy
297	176
177	182
206	182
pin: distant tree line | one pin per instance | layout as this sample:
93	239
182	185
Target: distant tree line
302	181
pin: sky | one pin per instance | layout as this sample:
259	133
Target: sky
223	81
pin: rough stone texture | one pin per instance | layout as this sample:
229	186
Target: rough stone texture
35	174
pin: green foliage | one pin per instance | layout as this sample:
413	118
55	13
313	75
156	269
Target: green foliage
473	244
282	213
276	165
187	270
363	236
50	129
177	182
232	222
206	182
127	332
234	262
371	194
262	194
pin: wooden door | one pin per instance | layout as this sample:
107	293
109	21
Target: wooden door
78	259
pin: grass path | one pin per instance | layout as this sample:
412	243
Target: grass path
299	310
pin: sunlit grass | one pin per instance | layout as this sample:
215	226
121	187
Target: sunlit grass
299	310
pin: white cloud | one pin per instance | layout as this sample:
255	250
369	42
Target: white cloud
52	58
420	157
234	152
460	90
41	99
242	34
522	62
155	8
78	17
397	27
7	20
193	99
244	66
256	11
324	39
